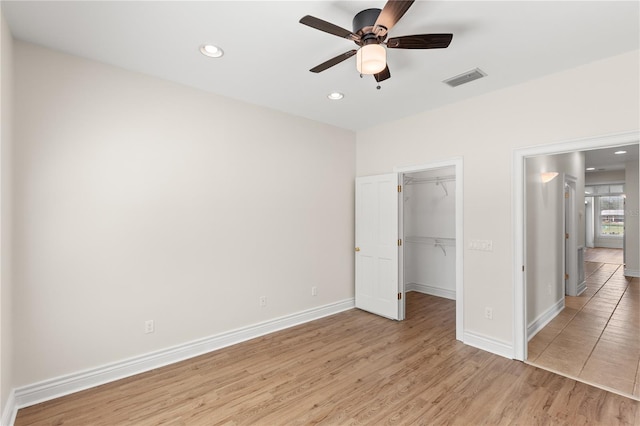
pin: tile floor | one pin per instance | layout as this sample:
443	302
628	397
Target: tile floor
596	338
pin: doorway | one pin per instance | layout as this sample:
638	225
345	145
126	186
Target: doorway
521	286
455	172
429	232
385	272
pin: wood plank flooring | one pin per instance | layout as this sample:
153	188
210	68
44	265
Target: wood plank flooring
604	255
596	338
347	369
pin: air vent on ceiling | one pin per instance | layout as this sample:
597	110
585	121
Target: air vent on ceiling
465	77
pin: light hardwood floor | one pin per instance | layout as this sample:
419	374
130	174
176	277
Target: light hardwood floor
350	368
596	338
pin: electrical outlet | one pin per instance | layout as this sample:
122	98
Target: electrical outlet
314	291
149	327
488	313
263	301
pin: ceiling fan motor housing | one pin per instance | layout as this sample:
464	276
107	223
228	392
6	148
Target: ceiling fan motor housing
363	24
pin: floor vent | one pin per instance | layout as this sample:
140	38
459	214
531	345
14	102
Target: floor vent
465	77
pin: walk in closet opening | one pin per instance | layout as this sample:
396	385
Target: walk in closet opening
429	232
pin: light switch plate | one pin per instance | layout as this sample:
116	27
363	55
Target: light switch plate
481	245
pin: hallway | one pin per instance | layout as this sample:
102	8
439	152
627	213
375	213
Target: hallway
596	338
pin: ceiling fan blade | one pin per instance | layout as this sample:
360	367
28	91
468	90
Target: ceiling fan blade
383	75
328	27
390	15
333	61
420	41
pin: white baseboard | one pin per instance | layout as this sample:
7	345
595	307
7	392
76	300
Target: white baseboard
631	272
615	243
582	287
67	384
488	344
543	319
10	410
434	291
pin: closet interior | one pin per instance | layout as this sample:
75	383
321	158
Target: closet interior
429	232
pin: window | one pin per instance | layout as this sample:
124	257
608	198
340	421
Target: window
610	211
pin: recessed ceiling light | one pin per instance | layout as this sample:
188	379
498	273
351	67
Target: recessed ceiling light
335	96
590	168
620	152
211	51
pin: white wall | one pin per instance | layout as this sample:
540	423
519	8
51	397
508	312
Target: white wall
544	228
138	199
6	282
429	212
632	220
595	99
607	176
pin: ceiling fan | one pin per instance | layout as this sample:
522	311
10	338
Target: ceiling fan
370	28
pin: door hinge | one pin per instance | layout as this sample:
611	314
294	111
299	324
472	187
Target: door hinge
357	248
399	242
566	195
522	268
399	188
566	236
566	276
399	296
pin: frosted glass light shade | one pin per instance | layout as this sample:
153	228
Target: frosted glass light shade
371	59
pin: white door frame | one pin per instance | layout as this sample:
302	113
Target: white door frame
570	245
519	263
457	162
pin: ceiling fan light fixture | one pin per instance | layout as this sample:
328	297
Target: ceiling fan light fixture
371	59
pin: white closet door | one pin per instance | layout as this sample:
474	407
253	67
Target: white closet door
377	245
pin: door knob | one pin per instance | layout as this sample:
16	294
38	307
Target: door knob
357	248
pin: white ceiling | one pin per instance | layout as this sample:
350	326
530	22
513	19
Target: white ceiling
268	53
606	159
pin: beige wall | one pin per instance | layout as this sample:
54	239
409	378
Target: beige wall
544	228
6	282
632	220
142	199
595	99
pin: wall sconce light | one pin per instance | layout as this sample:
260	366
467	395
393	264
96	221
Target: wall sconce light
548	176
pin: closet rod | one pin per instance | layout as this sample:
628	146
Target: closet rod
450	242
443	243
408	180
439	244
